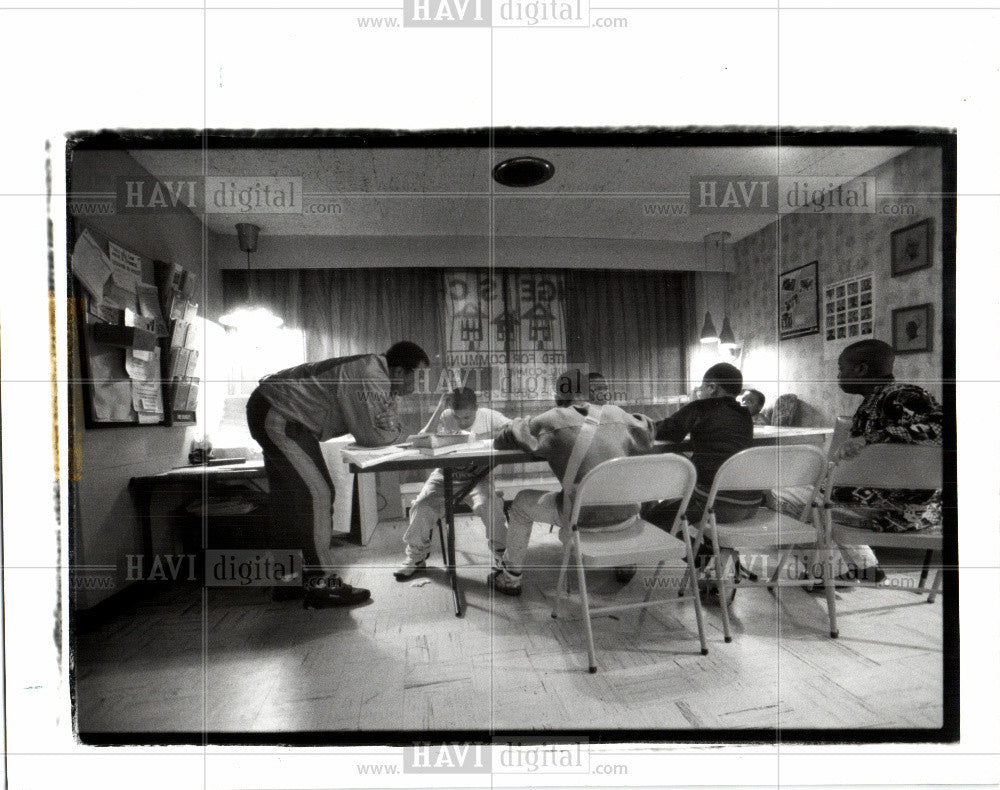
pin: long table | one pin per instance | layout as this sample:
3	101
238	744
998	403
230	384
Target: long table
485	458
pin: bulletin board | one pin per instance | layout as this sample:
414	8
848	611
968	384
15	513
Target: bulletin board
127	336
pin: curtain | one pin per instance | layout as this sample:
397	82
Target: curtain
631	326
349	311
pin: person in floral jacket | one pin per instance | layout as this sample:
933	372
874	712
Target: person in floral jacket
894	413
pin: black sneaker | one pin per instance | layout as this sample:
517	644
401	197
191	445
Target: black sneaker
292	590
502	582
873	574
324	591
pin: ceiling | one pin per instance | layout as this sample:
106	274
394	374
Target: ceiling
596	192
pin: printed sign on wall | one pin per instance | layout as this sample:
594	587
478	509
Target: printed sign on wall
506	331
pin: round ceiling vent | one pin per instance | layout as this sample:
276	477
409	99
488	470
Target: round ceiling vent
523	171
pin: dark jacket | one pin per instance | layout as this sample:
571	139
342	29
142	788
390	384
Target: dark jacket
719	428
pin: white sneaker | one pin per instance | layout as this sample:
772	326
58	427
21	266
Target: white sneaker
410	568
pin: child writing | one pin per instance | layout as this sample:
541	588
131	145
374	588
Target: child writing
457	411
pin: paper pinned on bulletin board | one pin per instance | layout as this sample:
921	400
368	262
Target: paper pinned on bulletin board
126	267
149	307
112	387
180	332
142	365
178	362
91	266
181	393
147	396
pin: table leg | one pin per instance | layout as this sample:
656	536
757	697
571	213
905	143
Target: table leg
142	496
449	518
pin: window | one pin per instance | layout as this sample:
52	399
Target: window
236	361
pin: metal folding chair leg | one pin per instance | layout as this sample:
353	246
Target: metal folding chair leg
928	556
723	592
562	578
935	587
444	550
649	593
584	602
829	588
691	578
782	561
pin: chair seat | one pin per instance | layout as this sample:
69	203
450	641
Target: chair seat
852	536
639	543
766	529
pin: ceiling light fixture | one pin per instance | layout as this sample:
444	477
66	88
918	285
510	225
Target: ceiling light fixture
248	314
523	171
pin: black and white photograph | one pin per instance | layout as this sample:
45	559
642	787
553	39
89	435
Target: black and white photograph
503	394
413	433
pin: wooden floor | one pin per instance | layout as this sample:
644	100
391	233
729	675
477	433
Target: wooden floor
223	659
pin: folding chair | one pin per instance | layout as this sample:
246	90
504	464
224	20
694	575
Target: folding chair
757	469
627	481
887	466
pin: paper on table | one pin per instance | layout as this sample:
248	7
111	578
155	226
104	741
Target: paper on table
192	401
90	264
364	457
476	447
149	417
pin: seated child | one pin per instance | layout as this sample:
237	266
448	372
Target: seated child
891	413
753	401
457	411
553	436
719	428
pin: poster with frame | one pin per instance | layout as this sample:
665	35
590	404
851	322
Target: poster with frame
798	301
913	329
910	248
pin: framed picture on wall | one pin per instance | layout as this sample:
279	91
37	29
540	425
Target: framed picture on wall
849	308
913	329
798	301
911	248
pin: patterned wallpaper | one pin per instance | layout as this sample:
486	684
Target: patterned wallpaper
845	245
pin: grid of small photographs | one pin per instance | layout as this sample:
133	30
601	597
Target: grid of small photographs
850	308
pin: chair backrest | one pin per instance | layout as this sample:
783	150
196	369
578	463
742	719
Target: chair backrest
764	468
907	466
636	479
841	432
